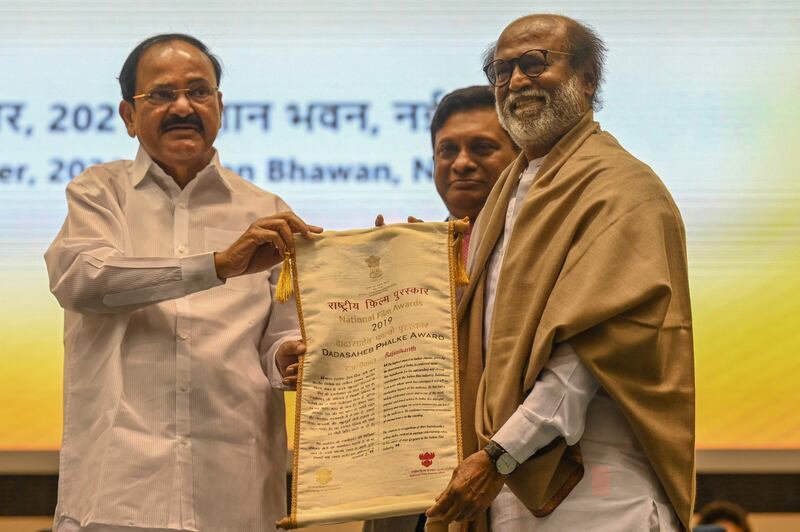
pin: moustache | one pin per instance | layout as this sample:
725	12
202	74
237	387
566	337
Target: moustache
515	99
175	121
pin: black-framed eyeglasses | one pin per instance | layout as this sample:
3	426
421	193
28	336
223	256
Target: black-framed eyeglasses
531	63
163	96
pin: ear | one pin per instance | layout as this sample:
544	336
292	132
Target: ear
589	83
221	107
126	111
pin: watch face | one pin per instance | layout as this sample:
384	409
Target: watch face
505	464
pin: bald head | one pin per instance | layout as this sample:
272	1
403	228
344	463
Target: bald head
535	26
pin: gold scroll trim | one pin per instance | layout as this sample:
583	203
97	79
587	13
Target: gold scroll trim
299	390
453	252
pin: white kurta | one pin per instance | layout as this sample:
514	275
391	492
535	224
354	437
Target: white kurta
619	490
170	421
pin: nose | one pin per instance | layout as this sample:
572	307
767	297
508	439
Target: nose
519	80
463	163
182	106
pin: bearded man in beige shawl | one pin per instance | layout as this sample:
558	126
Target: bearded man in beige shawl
578	310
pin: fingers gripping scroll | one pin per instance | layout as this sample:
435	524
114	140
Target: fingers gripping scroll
262	245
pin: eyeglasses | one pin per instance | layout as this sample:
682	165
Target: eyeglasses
197	94
532	63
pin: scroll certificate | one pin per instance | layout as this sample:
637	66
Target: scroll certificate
377	426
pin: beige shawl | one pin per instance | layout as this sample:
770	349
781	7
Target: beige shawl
597	258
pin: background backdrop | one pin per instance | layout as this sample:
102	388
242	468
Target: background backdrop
706	93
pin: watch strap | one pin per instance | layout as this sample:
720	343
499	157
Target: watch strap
494	450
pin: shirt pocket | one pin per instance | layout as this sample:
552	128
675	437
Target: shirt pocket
220	240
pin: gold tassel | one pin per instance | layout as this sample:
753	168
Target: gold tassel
285	287
460	268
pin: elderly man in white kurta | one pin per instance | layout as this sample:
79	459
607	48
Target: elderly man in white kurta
174	349
578	307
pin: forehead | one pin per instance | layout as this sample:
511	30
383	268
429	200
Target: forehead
173	62
531	33
480	122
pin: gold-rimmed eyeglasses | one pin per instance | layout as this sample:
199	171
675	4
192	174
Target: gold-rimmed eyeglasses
531	63
163	96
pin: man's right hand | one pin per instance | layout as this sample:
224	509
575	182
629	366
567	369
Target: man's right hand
262	246
287	361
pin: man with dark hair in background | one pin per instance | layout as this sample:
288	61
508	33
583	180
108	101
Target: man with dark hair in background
470	151
174	351
578	304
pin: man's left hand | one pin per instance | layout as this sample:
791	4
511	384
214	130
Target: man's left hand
286	360
474	485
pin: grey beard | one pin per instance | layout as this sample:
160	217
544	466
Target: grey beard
562	109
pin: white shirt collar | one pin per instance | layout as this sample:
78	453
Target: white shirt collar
144	164
533	167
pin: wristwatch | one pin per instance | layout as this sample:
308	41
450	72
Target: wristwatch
504	463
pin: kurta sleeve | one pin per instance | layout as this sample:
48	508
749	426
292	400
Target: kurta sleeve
89	270
556	406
